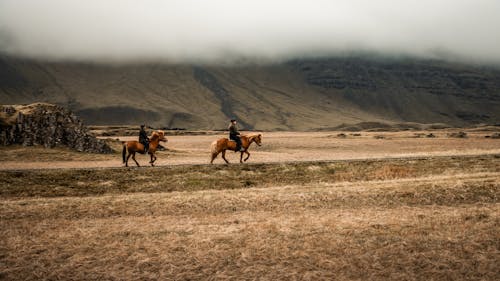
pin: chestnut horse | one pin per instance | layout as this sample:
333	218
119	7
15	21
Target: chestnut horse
221	145
134	146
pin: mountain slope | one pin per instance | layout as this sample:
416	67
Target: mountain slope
298	95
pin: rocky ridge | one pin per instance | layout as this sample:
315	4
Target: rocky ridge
48	125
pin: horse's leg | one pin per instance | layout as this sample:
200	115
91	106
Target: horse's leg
224	156
153	159
128	156
133	157
214	155
247	156
241	157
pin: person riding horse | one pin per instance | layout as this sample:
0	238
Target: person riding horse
235	135
143	138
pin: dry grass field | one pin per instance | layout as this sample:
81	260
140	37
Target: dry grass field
307	206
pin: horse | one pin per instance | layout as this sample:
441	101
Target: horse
134	146
221	145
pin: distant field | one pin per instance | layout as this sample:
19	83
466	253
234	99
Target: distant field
308	206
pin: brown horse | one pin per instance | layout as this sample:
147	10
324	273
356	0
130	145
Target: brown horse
221	145
134	146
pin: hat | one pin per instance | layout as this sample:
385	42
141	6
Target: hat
142	125
232	120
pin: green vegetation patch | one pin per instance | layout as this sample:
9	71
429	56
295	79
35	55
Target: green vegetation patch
88	182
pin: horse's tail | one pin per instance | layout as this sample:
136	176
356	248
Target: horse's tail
214	151
213	148
124	152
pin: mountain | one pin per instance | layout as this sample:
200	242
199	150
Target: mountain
307	94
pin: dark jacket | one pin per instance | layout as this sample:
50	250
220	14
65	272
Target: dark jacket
233	130
143	136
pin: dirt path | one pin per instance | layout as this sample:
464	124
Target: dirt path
276	147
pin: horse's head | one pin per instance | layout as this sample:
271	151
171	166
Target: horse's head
160	135
257	139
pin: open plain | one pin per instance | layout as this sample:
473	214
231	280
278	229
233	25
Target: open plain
306	206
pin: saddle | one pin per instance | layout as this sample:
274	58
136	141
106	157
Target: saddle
145	151
236	147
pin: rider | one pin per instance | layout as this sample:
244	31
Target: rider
234	135
143	138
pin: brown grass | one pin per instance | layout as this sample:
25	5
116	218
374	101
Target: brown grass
397	208
394	219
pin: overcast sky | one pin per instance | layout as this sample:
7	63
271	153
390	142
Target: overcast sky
260	30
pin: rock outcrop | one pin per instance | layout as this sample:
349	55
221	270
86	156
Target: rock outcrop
48	125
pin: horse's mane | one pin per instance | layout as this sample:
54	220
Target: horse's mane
250	135
156	134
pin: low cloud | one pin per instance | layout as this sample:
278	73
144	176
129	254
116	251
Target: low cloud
228	31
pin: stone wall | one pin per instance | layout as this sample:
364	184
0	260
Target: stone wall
48	125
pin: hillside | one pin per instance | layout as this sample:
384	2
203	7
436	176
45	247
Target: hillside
297	95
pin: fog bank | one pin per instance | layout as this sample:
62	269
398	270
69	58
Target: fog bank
231	31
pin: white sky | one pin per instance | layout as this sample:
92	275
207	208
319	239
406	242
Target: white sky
260	30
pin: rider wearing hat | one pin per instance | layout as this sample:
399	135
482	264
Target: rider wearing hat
235	135
143	138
